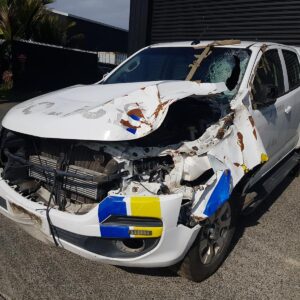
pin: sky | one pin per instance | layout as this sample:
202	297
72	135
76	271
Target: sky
112	12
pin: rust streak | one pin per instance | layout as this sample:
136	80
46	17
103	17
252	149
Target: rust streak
220	133
254	133
127	124
147	123
241	141
136	112
237	164
158	94
159	108
251	121
228	120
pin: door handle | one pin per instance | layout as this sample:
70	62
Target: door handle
288	110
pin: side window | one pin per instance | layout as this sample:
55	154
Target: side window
293	68
268	82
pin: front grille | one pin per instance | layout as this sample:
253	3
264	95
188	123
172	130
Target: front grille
76	185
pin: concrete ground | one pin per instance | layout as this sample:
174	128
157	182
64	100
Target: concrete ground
264	263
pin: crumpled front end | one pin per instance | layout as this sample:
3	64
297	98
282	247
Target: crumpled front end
81	197
126	231
129	179
128	203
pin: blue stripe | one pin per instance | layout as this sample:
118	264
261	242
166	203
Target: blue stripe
112	205
115	206
131	130
117	232
134	117
220	194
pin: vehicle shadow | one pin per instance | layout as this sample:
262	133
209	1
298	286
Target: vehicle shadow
157	272
243	222
252	219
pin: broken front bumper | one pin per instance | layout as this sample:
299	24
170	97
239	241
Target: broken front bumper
108	233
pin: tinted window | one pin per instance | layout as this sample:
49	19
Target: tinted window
293	68
268	75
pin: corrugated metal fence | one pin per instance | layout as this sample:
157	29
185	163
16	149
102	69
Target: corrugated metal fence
266	20
177	20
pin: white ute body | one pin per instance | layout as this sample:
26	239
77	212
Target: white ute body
112	119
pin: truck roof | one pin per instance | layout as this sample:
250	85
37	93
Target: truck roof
241	44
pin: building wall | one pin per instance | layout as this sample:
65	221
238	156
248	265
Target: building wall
96	36
100	37
177	20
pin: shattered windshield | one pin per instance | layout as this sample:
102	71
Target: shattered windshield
174	63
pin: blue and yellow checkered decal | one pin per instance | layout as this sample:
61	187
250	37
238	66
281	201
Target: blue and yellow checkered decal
139	206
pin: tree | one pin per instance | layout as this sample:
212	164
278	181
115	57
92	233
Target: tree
19	18
30	20
55	30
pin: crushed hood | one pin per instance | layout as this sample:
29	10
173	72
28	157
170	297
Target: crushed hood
111	112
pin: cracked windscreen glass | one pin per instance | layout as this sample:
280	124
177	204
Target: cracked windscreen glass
174	63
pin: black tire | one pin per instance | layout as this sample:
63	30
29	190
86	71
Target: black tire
200	263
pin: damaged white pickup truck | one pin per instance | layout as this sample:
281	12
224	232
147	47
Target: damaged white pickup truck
151	166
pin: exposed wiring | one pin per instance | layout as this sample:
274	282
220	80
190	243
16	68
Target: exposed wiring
40	160
50	197
48	215
145	188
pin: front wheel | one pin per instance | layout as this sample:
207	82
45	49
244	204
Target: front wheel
211	246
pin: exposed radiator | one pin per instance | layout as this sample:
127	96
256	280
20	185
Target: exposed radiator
78	186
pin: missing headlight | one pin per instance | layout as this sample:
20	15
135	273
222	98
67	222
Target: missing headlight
153	169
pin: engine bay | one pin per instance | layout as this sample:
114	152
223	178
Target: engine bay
74	176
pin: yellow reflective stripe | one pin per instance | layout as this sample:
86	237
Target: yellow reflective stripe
152	232
145	207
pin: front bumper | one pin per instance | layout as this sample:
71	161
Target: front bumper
83	234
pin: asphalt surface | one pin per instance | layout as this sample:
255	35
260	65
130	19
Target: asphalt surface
263	264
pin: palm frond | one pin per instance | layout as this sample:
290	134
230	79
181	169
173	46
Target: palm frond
29	19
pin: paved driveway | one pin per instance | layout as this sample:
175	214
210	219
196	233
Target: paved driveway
264	264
